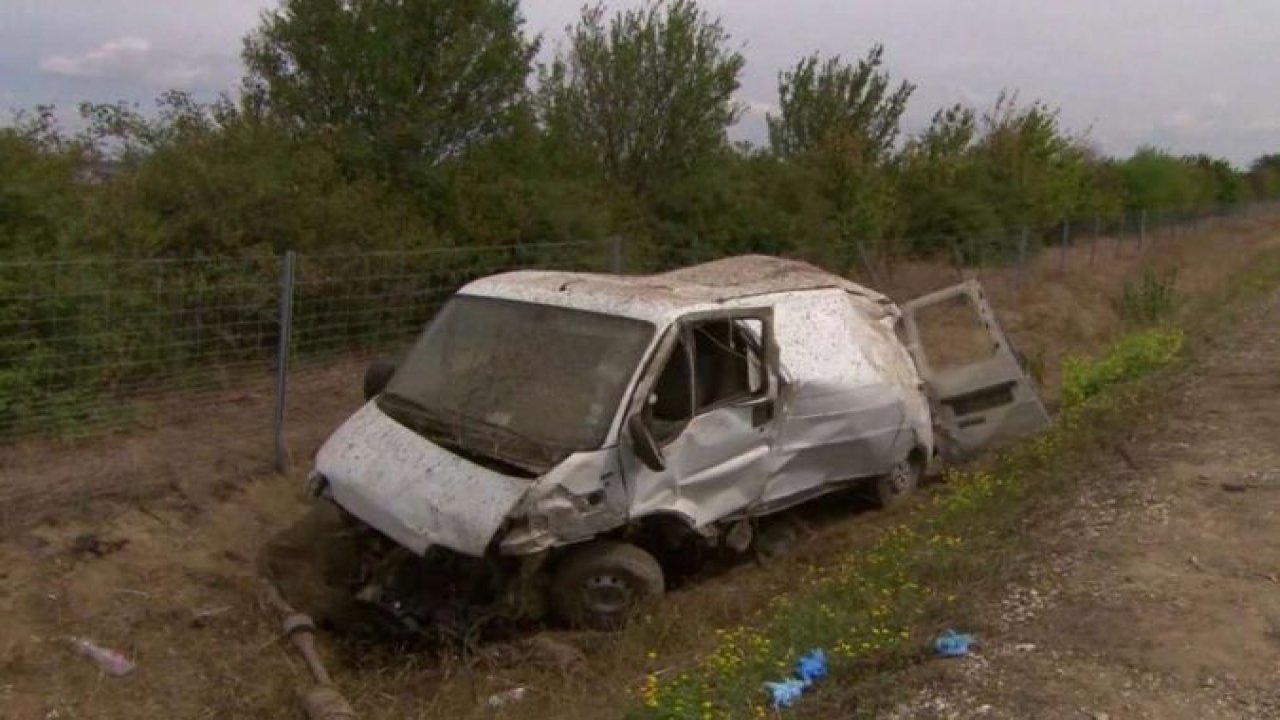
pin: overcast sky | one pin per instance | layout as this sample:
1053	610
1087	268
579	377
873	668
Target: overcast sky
1186	75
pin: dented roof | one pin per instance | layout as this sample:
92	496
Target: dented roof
659	298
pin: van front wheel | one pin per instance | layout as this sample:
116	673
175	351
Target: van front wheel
599	585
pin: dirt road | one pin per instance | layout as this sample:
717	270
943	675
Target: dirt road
1156	594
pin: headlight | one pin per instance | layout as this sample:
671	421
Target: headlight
317	485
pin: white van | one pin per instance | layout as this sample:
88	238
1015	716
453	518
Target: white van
552	434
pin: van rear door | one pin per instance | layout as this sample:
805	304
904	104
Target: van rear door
981	396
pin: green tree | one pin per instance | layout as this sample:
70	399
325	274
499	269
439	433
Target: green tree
1264	177
648	93
1219	183
396	86
42	200
1157	181
1033	164
943	190
840	122
818	99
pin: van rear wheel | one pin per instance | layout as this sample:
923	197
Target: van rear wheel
598	586
894	488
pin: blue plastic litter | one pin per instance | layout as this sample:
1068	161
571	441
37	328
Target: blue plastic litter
784	693
811	667
953	644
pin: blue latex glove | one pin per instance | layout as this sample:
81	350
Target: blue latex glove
811	667
784	693
953	644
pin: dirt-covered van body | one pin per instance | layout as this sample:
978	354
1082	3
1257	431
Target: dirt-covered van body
553	421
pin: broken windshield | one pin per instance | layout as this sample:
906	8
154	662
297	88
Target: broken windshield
548	375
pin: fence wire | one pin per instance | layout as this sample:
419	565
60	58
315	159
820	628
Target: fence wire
91	346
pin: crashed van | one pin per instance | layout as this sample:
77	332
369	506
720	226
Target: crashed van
551	436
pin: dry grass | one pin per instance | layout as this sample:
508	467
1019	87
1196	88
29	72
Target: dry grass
202	544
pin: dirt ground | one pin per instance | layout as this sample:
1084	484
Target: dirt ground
155	542
1156	594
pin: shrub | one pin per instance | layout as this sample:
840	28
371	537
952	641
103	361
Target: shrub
1149	300
1134	356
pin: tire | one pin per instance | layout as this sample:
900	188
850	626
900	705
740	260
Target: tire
599	585
894	488
776	537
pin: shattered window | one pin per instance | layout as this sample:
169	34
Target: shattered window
671	404
717	363
726	362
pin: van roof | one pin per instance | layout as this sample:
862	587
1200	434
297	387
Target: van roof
660	298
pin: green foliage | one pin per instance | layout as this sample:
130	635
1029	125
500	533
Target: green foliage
394	86
1264	177
367	125
880	605
972	177
1149	300
646	93
821	99
1157	181
1132	357
839	123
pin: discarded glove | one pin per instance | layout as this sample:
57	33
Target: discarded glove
811	667
784	693
953	644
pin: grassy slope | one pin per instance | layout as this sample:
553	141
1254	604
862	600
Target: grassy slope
182	558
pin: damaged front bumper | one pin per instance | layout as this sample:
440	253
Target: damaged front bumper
444	593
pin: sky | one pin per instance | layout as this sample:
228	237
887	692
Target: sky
1184	75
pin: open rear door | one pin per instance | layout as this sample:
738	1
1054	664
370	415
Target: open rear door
980	394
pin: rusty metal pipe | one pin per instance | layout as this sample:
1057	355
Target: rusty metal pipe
323	701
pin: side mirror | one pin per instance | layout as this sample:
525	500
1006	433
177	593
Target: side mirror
376	377
644	445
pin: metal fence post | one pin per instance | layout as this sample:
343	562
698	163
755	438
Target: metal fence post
1124	225
1023	270
282	357
1093	246
1142	231
867	267
1066	241
617	255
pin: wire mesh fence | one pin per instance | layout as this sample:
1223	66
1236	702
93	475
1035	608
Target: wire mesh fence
360	302
90	346
83	342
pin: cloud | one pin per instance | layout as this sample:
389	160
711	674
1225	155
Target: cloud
759	107
127	58
124	57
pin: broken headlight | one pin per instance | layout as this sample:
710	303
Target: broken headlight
317	485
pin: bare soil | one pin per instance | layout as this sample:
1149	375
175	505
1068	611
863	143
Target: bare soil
1156	593
155	543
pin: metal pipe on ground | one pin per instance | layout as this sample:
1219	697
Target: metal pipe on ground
322	701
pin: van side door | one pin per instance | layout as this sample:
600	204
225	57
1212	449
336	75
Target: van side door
706	406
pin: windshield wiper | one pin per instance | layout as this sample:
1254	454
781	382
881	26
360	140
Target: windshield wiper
462	431
419	417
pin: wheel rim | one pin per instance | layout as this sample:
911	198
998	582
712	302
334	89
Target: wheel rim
606	594
901	479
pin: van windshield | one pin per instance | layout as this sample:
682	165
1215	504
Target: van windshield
521	374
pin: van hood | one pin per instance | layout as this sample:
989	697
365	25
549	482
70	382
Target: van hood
412	490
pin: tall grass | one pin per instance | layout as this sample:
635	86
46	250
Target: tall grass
880	605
